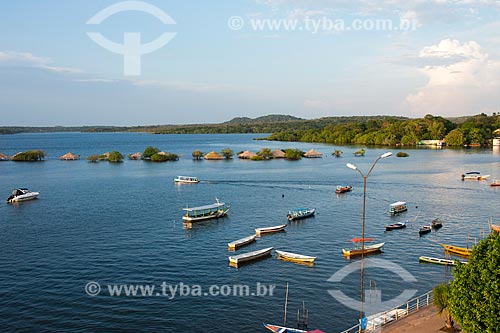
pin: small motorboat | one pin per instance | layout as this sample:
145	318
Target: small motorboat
201	213
343	188
495	182
474	175
22	194
186	180
250	256
394	226
436	224
301	213
241	242
398	207
424	230
295	257
268	230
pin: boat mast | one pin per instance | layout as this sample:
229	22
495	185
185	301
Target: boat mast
286	304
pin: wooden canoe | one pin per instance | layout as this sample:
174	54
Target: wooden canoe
424	230
457	250
241	242
249	256
268	230
357	251
439	261
295	257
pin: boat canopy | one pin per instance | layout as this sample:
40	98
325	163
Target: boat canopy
473	173
399	203
213	206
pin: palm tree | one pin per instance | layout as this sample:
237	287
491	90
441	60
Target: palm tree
441	292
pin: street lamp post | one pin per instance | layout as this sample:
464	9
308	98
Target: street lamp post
352	166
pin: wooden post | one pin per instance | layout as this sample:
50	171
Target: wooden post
286	304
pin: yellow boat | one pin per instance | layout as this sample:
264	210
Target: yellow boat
457	250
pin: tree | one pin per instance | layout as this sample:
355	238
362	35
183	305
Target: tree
455	138
441	293
293	154
197	154
29	156
474	292
93	158
227	153
149	151
115	157
265	153
164	157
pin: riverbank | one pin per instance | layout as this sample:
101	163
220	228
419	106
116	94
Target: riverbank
426	320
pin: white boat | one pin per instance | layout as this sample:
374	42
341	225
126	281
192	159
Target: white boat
268	230
254	255
241	242
195	214
295	257
186	179
440	261
22	194
359	250
398	207
474	175
300	213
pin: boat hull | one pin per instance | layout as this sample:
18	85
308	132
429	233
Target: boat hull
269	230
301	217
241	242
462	251
250	256
281	329
439	261
298	258
24	197
219	214
395	226
359	251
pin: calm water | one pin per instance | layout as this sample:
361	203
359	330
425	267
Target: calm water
122	224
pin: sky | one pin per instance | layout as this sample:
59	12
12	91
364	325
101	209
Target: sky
194	61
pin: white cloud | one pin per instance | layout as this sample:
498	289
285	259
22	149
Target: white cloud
26	59
467	82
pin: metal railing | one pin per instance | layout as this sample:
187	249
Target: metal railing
399	312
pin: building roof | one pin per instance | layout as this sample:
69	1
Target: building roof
213	155
247	154
278	153
69	157
135	156
313	153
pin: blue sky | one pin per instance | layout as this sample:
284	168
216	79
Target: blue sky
285	58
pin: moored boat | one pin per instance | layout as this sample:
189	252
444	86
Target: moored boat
495	182
22	194
295	257
195	214
268	230
186	179
357	251
394	226
474	175
343	188
241	242
424	230
398	207
462	251
439	261
436	223
250	256
301	213
281	329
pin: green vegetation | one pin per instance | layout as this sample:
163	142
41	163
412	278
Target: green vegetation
115	157
149	151
197	154
294	154
29	156
337	153
164	157
402	154
93	158
474	292
265	154
360	152
441	295
227	153
257	158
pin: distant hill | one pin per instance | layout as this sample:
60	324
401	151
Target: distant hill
272	118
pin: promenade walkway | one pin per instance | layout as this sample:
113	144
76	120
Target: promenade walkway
425	320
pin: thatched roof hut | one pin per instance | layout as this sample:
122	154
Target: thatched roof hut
278	153
69	157
213	155
247	154
4	157
136	156
313	154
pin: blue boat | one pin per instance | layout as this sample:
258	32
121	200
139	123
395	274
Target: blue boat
300	213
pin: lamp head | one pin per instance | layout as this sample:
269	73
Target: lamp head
351	166
384	155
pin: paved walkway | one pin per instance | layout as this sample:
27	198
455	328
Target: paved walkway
423	321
